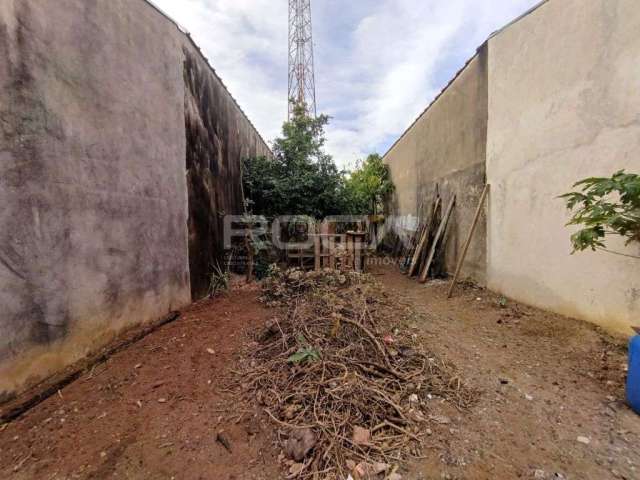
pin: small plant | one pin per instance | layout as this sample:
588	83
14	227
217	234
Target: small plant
272	271
305	353
605	206
219	280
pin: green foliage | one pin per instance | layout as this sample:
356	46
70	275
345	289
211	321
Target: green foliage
272	271
605	206
305	353
302	179
219	280
368	186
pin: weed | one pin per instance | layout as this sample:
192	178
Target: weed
305	353
219	280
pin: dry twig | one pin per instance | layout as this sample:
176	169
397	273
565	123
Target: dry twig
372	373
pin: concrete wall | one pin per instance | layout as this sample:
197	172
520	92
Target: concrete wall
103	106
445	149
219	137
564	104
552	98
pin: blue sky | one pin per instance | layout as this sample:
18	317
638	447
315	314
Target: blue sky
379	63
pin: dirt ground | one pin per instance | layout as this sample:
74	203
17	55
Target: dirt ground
546	380
153	411
551	404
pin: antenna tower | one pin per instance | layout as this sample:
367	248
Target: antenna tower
302	82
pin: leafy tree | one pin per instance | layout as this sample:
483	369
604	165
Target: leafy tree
605	206
302	179
369	185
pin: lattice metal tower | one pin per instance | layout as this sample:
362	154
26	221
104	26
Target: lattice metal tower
302	82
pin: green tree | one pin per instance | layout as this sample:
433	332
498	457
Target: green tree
301	179
368	186
605	206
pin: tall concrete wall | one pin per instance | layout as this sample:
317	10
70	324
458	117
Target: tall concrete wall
103	106
564	104
445	150
551	99
219	137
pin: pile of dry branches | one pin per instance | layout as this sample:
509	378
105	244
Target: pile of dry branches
344	377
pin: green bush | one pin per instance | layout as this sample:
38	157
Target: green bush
302	179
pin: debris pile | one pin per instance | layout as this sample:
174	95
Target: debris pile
343	376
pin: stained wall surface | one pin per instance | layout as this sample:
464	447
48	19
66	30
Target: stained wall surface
104	132
219	137
444	150
564	104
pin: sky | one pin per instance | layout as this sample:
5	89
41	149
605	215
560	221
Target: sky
378	63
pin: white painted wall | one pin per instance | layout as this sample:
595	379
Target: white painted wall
564	104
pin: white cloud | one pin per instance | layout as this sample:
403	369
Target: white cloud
398	51
246	43
379	63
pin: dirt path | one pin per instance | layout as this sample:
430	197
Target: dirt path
153	410
546	381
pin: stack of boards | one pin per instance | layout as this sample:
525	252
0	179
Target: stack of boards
417	258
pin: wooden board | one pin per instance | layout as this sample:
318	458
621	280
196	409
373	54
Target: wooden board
424	240
407	252
318	252
332	252
485	191
436	240
417	252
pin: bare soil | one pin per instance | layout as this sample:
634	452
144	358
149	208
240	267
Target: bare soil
154	410
546	381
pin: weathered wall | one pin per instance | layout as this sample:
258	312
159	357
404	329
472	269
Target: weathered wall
95	141
219	137
564	103
560	89
446	148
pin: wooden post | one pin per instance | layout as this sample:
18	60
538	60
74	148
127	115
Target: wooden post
350	259
436	240
317	251
248	244
357	249
342	260
332	252
424	235
485	191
